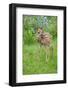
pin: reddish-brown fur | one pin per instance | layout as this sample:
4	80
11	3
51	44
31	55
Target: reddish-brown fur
43	37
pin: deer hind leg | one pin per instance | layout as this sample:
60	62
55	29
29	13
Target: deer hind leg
52	52
47	51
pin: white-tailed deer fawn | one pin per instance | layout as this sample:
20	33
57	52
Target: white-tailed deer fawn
45	39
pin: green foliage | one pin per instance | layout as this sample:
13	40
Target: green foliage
35	62
52	26
31	23
34	55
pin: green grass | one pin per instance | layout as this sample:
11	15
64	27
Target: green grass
39	59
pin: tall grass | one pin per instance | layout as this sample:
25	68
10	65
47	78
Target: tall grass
35	61
38	59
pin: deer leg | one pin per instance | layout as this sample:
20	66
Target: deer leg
47	54
51	52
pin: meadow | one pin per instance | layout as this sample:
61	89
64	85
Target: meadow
34	55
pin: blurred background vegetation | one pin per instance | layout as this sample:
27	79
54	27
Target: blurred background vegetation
31	23
34	57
